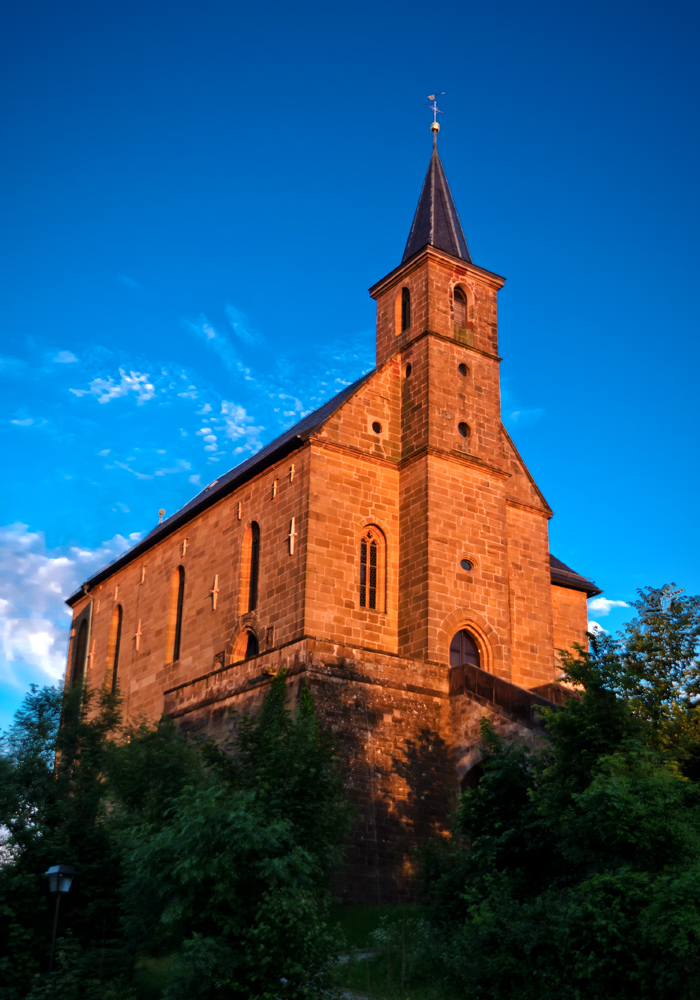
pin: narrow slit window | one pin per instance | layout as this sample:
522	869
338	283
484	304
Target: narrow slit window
80	655
177	595
254	566
405	309
460	308
115	640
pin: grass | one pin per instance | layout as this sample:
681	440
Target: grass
384	953
151	976
358	922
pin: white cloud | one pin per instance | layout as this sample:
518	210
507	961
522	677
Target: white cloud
595	628
106	389
64	358
34	583
26	422
196	480
239	424
603	606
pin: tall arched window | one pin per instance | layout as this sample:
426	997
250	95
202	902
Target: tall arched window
174	635
405	309
372	570
460	308
250	569
464	650
80	654
115	639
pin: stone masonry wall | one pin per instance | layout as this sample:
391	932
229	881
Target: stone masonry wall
208	547
570	614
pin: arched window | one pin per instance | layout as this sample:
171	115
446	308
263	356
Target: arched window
250	569
372	570
460	308
80	654
174	636
115	638
252	647
246	646
405	309
463	650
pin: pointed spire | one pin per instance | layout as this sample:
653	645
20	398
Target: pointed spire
436	222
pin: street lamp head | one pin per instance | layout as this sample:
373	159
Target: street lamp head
60	878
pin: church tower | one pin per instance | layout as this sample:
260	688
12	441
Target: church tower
390	551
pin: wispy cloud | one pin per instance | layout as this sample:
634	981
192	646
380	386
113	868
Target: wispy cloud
107	389
524	417
64	358
241	328
513	413
134	472
180	466
129	282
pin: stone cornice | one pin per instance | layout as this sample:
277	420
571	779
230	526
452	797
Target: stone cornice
512	502
448	340
454	456
455	264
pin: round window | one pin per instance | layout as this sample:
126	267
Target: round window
463	429
462	369
465	564
377	427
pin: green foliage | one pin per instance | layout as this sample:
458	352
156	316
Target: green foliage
218	862
574	869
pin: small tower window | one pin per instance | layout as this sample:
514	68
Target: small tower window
460	308
115	639
174	634
464	650
405	309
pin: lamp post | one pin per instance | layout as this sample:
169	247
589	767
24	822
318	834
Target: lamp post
60	878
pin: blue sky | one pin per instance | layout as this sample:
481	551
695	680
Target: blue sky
196	197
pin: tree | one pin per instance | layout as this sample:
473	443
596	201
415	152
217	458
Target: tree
234	882
218	859
574	868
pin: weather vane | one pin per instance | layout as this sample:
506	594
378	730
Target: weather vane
433	107
435	127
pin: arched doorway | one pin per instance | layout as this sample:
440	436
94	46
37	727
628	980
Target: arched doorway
464	650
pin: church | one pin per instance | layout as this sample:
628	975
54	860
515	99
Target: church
390	550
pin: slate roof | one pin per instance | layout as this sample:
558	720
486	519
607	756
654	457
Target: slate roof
565	576
283	445
436	222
